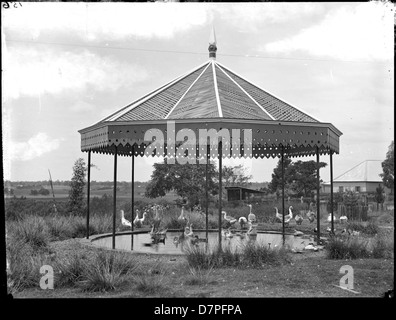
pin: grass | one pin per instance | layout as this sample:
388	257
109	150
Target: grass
252	255
107	271
257	270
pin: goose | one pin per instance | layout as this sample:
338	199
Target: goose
343	219
242	222
157	219
138	222
299	219
311	214
252	231
289	216
278	216
188	231
251	216
124	221
329	217
227	233
231	220
311	246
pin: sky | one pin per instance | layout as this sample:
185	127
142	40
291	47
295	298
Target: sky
68	65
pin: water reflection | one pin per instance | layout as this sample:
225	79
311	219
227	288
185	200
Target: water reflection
175	242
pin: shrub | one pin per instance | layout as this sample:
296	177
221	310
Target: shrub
369	228
347	248
60	228
383	246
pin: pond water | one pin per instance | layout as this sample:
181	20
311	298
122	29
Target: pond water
143	243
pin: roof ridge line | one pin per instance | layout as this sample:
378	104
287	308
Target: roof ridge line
261	107
151	94
177	103
216	90
350	169
276	97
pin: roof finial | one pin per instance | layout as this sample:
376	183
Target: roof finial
212	45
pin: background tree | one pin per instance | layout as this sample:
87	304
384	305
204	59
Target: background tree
235	176
276	182
388	167
187	180
303	177
379	195
76	203
300	177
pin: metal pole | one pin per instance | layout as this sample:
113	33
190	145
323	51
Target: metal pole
331	192
283	195
114	194
318	195
133	193
220	188
207	192
88	190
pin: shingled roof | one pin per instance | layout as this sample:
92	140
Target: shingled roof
212	96
210	91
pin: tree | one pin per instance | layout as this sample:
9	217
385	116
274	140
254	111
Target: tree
304	179
388	167
379	195
300	177
276	183
187	180
76	194
235	176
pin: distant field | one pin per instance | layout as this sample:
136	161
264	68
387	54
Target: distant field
62	192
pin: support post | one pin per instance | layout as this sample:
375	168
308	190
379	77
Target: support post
317	196
88	190
220	152
133	193
114	195
207	193
331	192
283	195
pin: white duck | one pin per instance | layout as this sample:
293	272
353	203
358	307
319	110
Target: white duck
251	216
242	222
124	221
252	231
278	216
138	222
231	220
343	219
188	231
289	216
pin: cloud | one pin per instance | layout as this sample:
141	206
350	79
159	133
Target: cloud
82	106
105	20
30	71
35	147
361	32
252	16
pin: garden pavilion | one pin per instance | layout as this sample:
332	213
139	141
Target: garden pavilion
231	116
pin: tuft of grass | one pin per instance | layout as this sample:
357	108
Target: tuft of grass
259	255
383	246
153	281
198	276
32	230
79	227
25	263
107	271
60	228
368	228
70	270
347	248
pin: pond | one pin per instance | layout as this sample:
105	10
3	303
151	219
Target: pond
143	242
